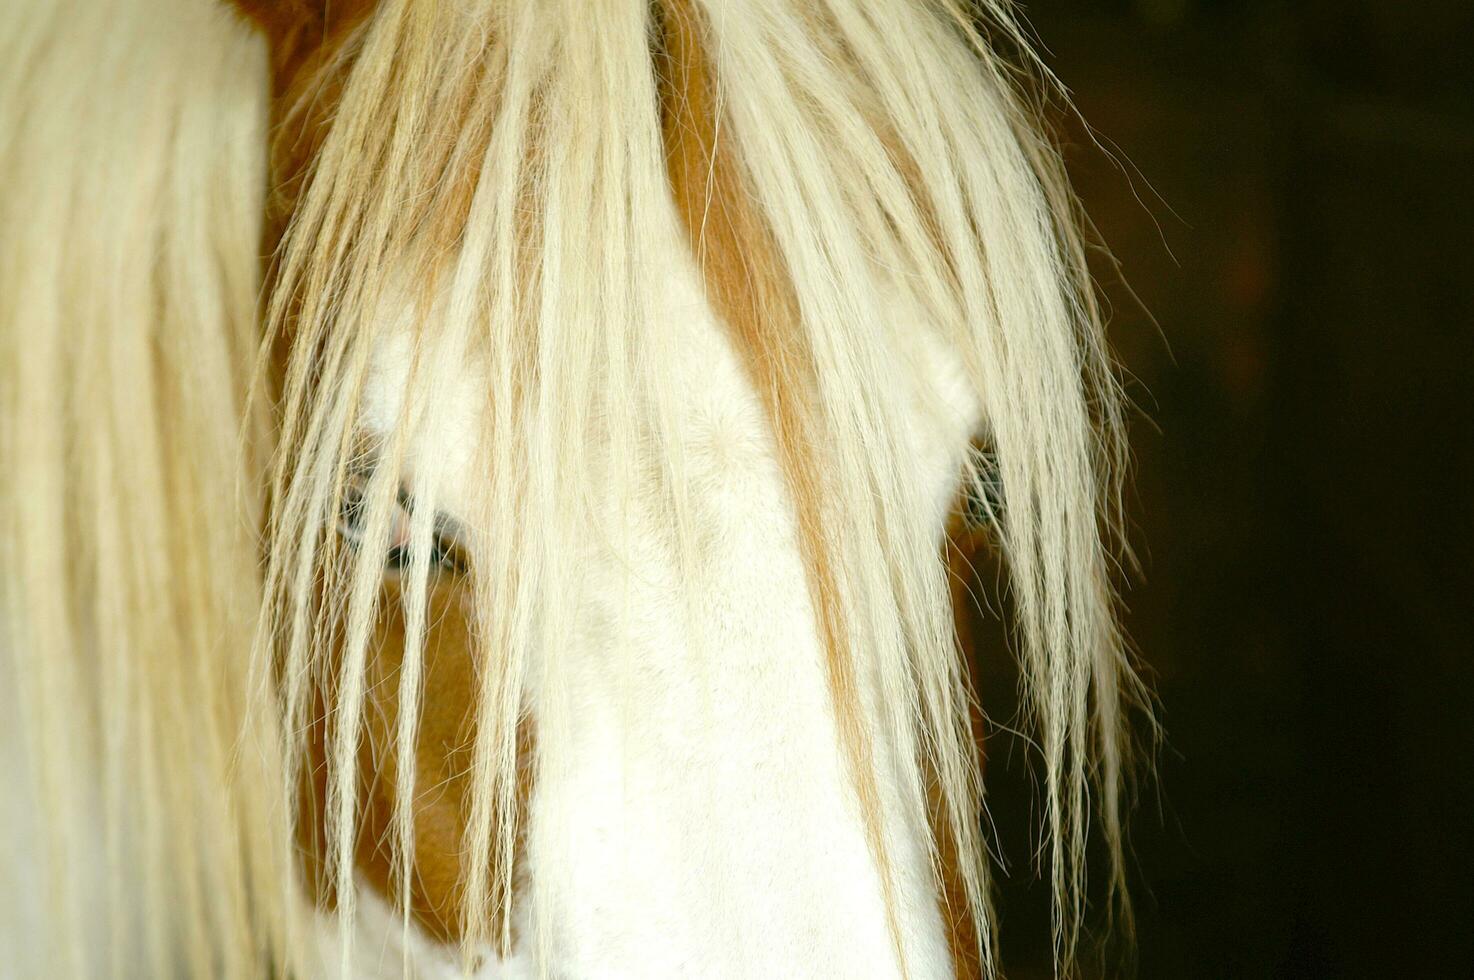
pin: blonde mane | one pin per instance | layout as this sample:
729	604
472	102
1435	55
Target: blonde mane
522	165
131	140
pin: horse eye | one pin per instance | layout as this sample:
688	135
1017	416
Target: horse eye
982	501
447	554
353	510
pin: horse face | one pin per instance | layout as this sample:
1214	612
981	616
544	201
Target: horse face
626	354
720	633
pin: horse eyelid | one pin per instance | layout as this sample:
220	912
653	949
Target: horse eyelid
447	542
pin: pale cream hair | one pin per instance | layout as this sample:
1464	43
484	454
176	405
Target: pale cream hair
131	189
508	159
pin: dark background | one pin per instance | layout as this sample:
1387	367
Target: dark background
1292	200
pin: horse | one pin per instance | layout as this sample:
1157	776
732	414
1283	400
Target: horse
476	482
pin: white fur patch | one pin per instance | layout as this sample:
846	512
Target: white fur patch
694	817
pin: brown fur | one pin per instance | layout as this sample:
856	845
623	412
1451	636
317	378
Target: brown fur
442	763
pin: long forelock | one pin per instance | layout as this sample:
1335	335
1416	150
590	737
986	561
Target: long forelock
517	163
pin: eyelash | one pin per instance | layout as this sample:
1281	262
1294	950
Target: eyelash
983	502
445	552
444	555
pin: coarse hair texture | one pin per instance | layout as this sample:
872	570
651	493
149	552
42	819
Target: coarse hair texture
501	179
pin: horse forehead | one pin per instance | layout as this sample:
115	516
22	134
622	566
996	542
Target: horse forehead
449	435
725	434
722	425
